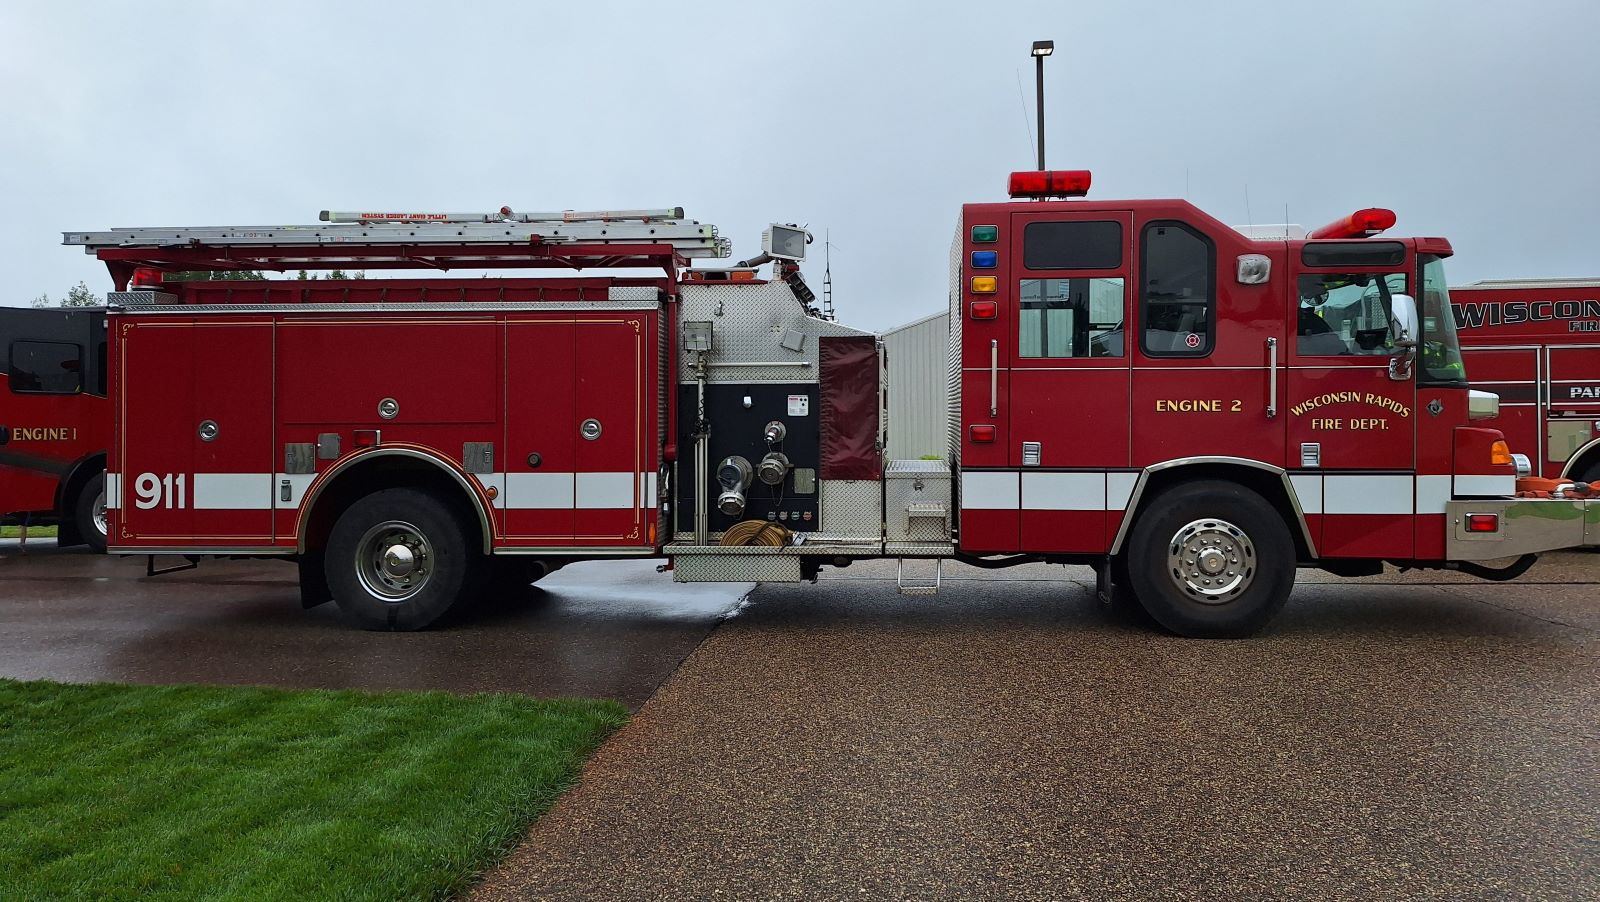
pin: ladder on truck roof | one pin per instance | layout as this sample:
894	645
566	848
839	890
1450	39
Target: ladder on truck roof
604	239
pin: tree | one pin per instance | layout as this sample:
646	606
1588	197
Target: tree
332	274
42	300
231	275
80	296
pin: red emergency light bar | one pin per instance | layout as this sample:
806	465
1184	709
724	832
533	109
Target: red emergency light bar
1050	183
1360	224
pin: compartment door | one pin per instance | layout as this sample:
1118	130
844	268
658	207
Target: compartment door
611	423
195	444
541	434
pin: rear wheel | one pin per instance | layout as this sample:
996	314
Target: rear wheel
89	513
399	560
1211	560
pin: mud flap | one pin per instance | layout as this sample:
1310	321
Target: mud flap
313	581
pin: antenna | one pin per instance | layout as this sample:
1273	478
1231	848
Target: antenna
1023	100
1248	219
827	276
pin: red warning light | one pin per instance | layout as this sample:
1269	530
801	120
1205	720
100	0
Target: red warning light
1050	183
1360	224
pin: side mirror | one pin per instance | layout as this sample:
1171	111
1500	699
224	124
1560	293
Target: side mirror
1403	334
1403	320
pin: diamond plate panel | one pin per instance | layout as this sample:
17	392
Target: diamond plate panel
852	508
748	324
735	568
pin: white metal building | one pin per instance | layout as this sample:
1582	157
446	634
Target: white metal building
917	359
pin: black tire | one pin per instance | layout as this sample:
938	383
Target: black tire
1233	529
1589	474
399	559
90	502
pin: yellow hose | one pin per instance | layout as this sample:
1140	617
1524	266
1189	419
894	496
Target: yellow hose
758	533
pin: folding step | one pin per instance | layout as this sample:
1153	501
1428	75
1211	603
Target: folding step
919	588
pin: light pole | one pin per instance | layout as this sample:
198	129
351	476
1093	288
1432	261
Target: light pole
1041	49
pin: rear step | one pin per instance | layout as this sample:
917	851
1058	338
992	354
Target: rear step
922	588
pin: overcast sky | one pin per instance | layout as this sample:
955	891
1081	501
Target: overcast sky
1477	121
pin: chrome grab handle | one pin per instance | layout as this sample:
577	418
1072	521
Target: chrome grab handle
1272	378
994	377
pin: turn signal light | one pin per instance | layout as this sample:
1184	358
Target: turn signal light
1050	183
985	310
981	434
1483	522
1500	453
1360	224
985	284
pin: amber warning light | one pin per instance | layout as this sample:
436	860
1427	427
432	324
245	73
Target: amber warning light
1049	183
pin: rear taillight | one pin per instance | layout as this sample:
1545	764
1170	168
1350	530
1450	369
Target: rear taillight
1483	522
981	434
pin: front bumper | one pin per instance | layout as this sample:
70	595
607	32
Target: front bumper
1527	526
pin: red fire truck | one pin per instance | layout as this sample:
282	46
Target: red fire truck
1133	385
1536	343
55	421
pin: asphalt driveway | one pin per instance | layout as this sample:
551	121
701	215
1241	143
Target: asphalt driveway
1398	737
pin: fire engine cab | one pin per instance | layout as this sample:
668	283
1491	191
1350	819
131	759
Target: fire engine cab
1191	410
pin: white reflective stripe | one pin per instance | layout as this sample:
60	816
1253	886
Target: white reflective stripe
496	481
647	489
1432	493
1486	485
1366	494
538	491
990	491
232	491
1064	491
298	482
113	491
1119	490
1308	491
605	491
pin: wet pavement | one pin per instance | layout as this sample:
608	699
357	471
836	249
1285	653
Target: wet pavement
1415	735
601	629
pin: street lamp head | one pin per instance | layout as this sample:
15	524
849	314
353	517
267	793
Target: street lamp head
1044	48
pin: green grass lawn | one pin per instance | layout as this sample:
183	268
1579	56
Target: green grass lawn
197	792
34	532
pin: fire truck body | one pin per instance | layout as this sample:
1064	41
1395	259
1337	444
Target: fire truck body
1133	385
55	421
1536	343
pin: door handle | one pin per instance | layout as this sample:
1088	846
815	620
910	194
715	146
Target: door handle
1272	378
994	377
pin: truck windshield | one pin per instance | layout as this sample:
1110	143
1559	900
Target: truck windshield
1441	352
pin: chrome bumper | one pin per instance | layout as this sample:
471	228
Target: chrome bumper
1527	526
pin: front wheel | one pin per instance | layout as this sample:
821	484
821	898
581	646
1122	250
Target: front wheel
1211	560
89	513
399	560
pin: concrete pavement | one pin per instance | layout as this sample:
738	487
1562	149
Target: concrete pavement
602	629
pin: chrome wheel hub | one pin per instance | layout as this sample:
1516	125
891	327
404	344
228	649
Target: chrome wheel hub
394	561
97	513
1211	561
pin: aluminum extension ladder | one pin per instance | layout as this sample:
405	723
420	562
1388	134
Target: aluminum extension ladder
688	238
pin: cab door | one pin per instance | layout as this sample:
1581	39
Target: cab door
1208	356
1352	428
1069	373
